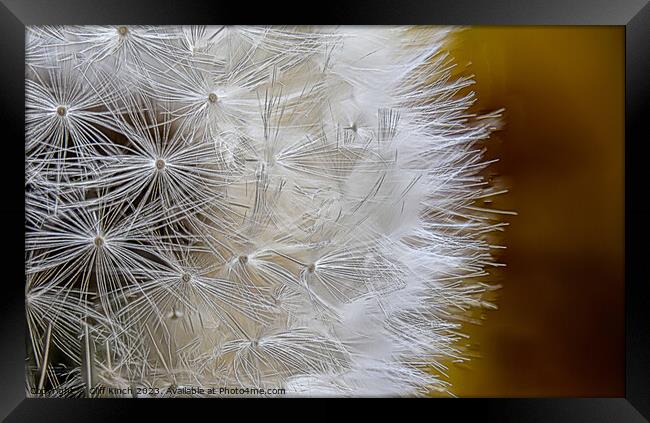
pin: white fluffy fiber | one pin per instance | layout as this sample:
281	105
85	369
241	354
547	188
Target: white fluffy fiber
250	207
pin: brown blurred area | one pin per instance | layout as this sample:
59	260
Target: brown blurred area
559	329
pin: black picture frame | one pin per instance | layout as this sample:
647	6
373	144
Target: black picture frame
633	14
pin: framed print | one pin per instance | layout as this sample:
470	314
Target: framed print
444	205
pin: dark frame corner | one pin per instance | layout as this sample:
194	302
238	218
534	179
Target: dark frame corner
633	14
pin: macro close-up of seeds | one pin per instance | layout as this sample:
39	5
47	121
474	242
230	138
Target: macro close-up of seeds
260	210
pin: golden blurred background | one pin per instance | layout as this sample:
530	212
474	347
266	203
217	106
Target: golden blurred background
559	329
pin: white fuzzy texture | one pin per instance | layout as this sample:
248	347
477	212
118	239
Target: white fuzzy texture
250	207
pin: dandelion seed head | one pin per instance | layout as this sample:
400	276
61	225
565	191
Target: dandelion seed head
315	230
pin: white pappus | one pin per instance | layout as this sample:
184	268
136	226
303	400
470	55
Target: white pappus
251	207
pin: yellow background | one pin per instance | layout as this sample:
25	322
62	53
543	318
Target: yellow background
559	330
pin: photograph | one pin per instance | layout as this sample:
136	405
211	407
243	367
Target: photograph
324	211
